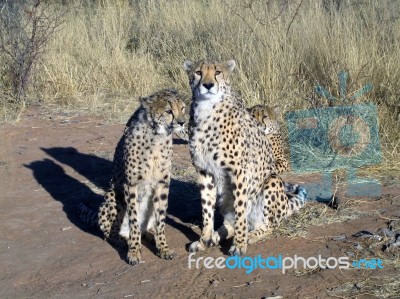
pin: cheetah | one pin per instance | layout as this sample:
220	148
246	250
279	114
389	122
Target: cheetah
234	161
269	117
136	202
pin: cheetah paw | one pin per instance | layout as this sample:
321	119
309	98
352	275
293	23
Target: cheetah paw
215	238
166	254
254	237
134	258
238	250
196	246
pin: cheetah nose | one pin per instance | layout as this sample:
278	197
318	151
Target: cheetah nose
208	85
181	123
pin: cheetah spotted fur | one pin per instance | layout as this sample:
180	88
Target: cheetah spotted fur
234	161
136	202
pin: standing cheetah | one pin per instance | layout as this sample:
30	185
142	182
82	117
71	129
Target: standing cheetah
234	161
136	202
269	117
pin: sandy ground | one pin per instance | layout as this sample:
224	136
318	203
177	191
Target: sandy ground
51	161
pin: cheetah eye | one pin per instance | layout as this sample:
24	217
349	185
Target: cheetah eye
198	73
169	111
217	73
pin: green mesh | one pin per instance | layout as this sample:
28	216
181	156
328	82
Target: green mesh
343	137
333	138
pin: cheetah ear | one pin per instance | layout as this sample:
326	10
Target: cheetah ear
187	65
230	65
144	101
277	110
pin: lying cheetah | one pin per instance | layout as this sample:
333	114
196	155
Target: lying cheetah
269	117
137	199
234	161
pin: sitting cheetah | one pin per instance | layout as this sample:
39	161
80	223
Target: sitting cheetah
137	199
268	116
234	161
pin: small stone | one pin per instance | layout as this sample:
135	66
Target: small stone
339	238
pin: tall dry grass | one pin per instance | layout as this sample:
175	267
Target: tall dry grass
107	54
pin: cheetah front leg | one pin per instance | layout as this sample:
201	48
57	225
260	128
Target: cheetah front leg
240	189
160	201
105	215
275	208
134	241
110	216
265	229
226	230
208	193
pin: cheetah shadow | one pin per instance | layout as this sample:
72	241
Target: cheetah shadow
70	192
63	188
184	206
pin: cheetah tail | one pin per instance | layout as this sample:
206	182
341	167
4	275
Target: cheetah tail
88	216
297	196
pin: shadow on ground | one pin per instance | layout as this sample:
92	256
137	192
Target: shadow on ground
184	203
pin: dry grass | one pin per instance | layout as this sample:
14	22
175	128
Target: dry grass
317	214
377	286
108	54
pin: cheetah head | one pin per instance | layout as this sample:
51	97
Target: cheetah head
165	110
267	116
209	80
